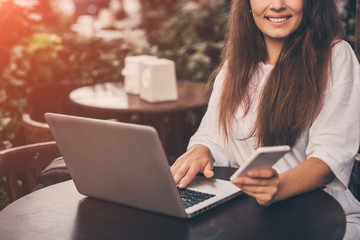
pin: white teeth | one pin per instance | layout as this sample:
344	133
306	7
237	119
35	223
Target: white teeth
277	20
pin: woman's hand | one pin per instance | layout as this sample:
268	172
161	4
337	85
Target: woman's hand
197	159
262	184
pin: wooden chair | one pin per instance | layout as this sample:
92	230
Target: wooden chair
354	184
20	167
50	97
34	131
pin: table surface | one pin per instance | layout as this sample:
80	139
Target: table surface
112	96
60	212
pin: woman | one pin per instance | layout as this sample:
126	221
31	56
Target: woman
286	79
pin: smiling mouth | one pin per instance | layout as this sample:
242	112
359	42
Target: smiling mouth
277	20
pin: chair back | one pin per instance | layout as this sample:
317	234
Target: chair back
354	184
20	167
51	97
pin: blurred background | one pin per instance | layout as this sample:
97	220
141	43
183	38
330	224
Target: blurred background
77	41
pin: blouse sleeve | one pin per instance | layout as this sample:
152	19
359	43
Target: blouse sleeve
208	133
335	133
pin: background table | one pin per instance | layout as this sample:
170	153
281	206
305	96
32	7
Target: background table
60	212
175	121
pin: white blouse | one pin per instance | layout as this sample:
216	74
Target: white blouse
334	136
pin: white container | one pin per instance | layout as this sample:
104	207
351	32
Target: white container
158	82
133	72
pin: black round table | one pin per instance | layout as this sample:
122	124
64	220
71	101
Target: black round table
60	212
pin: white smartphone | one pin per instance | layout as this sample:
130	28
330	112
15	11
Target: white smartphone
263	157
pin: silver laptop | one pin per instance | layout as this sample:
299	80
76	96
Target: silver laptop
126	164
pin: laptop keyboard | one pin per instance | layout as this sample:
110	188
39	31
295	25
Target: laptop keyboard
190	197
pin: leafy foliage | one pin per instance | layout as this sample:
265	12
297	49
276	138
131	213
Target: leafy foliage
41	53
51	57
348	16
196	41
4	198
18	23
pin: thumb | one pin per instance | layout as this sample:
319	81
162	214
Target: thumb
208	170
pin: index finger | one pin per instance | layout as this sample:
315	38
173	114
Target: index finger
189	176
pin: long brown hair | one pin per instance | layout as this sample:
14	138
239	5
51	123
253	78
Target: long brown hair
294	92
